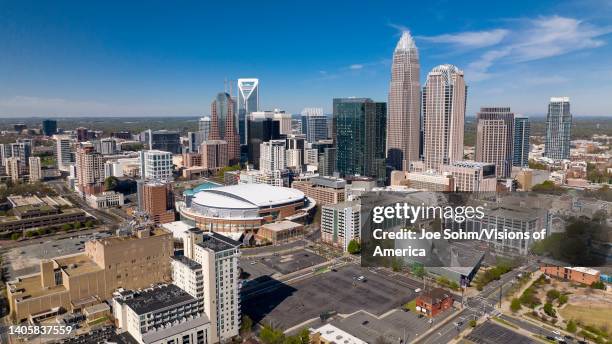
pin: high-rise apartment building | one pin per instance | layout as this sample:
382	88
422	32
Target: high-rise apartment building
158	201
223	125
558	129
63	152
272	156
248	102
49	127
403	119
35	169
105	146
314	124
360	137
218	257
89	170
522	131
214	154
261	129
12	169
22	150
495	138
341	223
443	106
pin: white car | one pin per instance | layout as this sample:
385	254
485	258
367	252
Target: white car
417	290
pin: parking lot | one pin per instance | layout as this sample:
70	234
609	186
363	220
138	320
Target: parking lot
281	264
26	259
290	305
490	333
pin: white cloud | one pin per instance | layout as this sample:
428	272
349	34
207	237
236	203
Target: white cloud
356	66
470	39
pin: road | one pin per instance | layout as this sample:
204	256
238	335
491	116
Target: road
474	308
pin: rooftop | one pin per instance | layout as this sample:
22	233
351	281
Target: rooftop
247	196
217	242
191	264
433	296
335	335
282	225
158	298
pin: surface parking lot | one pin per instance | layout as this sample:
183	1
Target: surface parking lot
490	333
289	305
281	264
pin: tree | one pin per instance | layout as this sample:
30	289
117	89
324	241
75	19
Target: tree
549	310
553	294
571	326
418	270
562	299
270	335
15	236
76	225
598	285
515	305
111	183
247	324
354	247
473	323
89	223
66	227
397	264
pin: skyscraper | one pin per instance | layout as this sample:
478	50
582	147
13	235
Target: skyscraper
248	101
223	124
403	120
495	138
272	156
89	170
314	124
204	127
521	141
261	129
360	137
49	127
35	169
558	129
63	152
444	100
22	150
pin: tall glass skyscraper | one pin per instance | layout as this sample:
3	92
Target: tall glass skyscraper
444	100
403	120
223	124
495	138
314	124
521	141
360	137
558	129
49	127
261	130
248	101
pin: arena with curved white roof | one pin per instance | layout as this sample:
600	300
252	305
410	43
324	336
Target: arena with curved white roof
244	207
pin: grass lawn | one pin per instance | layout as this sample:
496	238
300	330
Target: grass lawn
598	316
411	305
98	321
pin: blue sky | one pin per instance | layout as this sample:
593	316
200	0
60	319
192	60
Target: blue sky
170	58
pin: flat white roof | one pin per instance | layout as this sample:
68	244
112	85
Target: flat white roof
585	270
247	196
335	335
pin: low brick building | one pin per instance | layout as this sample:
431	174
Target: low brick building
433	301
575	274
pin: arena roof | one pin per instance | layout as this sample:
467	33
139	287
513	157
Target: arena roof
247	196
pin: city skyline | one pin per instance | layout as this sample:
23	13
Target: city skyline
64	61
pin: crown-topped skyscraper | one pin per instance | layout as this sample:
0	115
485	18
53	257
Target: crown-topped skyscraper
403	118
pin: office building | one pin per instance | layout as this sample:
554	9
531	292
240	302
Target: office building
522	131
89	170
82	134
248	102
471	176
341	223
403	119
34	212
314	124
576	274
156	164
558	129
194	140
76	281
272	156
106	199
158	201
204	127
495	138
324	190
22	150
161	314
426	181
261	129
49	127
5	153
63	152
296	152
280	232
443	107
35	169
283	118
327	162
214	155
164	140
223	125
360	137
